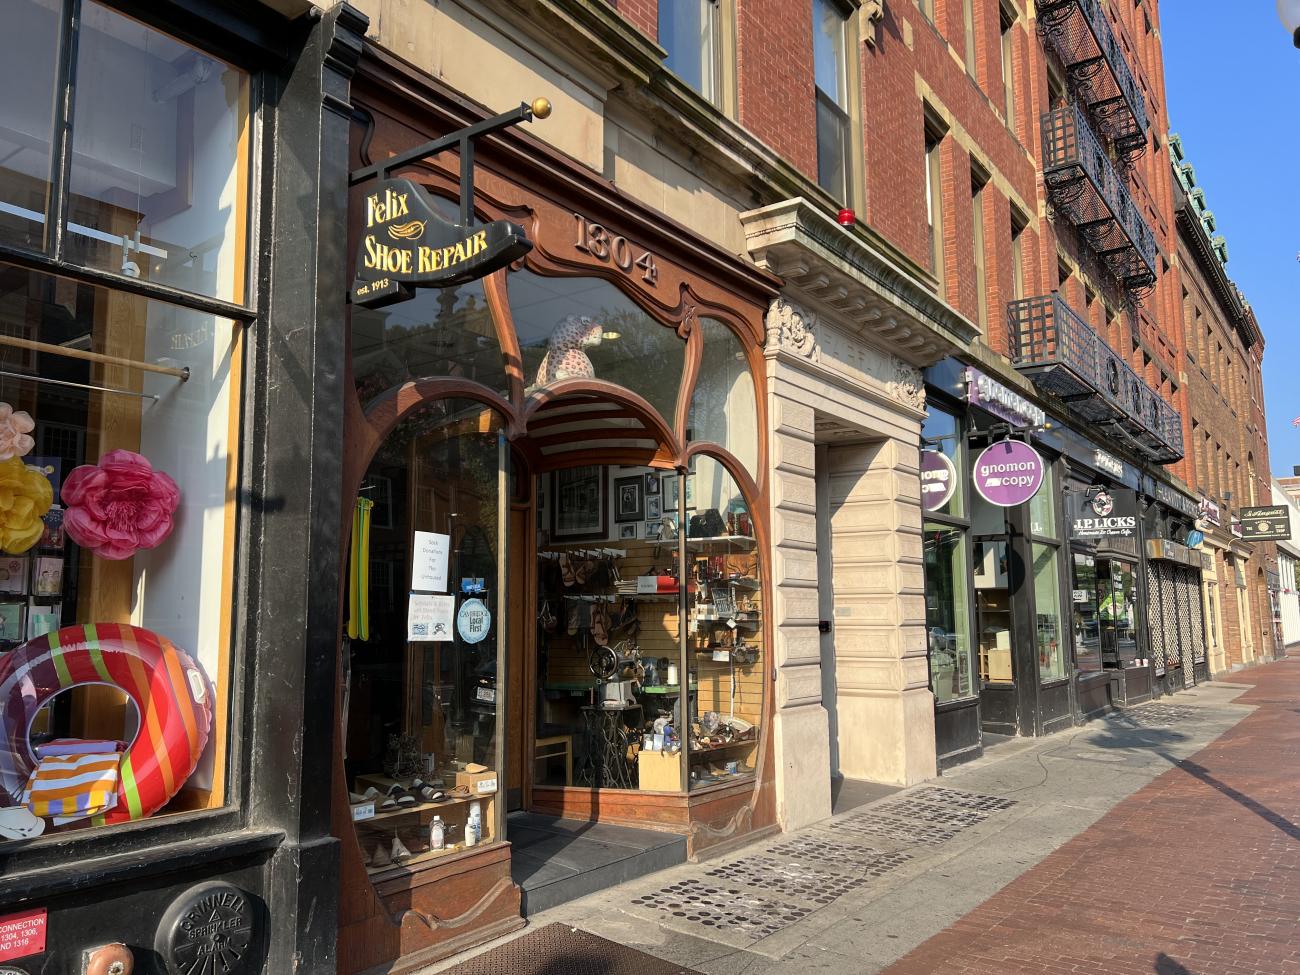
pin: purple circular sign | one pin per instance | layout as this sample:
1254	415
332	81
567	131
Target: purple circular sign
1008	473
938	480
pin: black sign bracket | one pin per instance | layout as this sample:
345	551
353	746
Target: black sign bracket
464	140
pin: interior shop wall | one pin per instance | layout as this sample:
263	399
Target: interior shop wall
179	587
712	487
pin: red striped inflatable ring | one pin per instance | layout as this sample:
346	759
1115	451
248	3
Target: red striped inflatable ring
170	690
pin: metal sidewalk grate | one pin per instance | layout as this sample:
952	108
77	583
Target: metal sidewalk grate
789	878
723	908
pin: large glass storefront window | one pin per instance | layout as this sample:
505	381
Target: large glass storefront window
1049	639
160	145
28	74
422	695
610	635
725	652
119	421
440	333
947	575
116	553
1049	634
947	612
1086	615
1117	612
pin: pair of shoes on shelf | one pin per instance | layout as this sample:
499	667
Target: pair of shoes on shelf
357	798
398	796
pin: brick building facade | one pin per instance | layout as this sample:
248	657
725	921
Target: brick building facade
1225	417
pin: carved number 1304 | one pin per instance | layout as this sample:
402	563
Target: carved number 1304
604	246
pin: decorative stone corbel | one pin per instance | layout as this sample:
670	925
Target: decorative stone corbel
790	327
907	385
873	12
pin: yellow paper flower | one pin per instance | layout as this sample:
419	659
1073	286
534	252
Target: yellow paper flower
25	496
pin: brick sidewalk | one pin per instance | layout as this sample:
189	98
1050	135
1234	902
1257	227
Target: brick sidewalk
1197	873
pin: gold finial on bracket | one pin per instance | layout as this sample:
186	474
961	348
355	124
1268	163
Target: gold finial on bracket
541	107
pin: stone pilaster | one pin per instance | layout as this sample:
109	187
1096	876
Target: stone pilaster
801	735
884	706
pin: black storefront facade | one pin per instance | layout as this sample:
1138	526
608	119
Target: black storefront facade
1051	624
171	193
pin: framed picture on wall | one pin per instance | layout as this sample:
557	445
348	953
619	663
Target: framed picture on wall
654	531
629	498
12	629
628	532
670	482
653	507
652	484
578	504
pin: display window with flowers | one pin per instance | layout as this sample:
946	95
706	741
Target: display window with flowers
123	302
116	545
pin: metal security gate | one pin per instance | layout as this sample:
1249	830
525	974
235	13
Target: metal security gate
1175	620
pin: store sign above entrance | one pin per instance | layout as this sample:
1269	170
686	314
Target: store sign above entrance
1266	524
1103	514
406	244
938	480
1008	473
993	397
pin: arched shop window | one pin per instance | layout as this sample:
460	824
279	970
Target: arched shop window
724	408
726	652
119	419
585	328
439	333
422	658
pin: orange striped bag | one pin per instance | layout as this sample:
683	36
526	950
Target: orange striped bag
64	788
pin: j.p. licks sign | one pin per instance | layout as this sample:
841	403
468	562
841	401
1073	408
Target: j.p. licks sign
405	244
1105	515
1267	524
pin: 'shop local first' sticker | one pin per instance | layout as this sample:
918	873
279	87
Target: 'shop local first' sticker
473	621
1008	473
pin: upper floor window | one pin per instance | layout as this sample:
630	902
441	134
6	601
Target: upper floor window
934	201
156	183
830	72
689	30
968	26
1008	25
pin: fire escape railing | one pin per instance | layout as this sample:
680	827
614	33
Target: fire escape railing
1059	352
1099	72
1086	189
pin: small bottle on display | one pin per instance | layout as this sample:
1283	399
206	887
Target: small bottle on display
437	834
474	825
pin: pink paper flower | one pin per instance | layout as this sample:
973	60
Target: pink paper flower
119	506
15	425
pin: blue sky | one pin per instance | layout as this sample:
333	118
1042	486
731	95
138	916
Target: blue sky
1233	85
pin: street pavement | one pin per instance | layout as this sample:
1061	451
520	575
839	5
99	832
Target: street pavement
1162	839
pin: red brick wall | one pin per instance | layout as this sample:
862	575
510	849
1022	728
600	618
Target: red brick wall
641	14
774	65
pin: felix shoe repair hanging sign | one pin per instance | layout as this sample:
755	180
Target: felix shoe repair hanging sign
406	244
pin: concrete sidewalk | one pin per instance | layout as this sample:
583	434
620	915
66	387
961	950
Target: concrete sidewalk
862	890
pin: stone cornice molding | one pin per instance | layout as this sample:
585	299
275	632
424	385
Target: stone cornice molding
835	269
